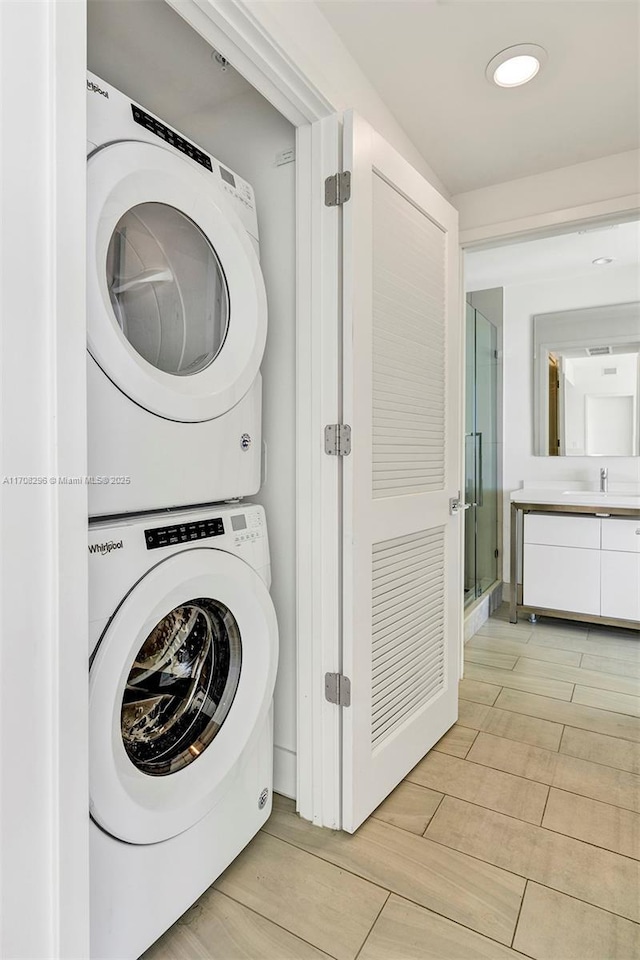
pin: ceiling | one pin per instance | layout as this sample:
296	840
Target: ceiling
427	60
554	258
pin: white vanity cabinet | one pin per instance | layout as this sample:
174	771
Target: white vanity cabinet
620	568
562	563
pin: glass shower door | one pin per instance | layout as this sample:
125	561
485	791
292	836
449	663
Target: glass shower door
481	455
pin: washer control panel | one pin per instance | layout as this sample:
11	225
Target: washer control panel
247	527
174	139
183	533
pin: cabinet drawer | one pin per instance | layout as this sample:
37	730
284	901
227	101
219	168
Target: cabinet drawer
621	535
562	578
621	585
562	531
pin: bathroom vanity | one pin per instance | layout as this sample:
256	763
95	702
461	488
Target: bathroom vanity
575	554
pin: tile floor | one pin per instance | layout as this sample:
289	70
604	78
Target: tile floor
517	835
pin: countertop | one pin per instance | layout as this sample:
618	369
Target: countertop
571	495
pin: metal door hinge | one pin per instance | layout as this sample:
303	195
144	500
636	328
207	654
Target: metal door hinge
496	553
337	189
337	439
337	689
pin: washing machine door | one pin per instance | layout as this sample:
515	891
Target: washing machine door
177	310
180	685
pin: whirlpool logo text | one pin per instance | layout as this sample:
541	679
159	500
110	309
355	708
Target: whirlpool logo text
94	88
104	548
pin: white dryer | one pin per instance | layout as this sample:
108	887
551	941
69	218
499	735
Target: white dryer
184	649
176	316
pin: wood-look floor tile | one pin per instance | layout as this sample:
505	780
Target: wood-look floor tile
623	668
605	879
579	675
405	931
599	823
558	689
615	649
410	807
456	741
516	649
512	726
519	633
573	714
475	894
581	932
547	626
489	658
600	632
486	693
557	770
483	785
606	700
218	928
610	751
310	898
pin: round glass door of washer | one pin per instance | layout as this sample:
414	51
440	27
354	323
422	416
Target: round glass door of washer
181	686
167	289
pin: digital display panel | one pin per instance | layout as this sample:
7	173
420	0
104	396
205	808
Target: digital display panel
239	522
227	176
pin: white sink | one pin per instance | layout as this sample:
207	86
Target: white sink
613	499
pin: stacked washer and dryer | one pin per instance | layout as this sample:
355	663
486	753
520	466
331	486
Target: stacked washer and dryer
183	633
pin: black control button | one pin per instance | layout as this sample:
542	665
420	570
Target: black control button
170	136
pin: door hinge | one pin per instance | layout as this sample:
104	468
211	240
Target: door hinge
337	439
496	553
337	689
337	189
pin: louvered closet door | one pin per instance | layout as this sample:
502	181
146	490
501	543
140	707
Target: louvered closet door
401	550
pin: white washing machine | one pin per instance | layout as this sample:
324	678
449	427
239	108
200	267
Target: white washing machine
184	649
176	316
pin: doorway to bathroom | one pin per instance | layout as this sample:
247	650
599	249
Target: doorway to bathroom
481	567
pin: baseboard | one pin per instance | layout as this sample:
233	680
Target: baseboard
284	772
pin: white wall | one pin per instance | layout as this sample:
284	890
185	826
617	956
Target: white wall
247	133
44	781
521	303
308	38
607	181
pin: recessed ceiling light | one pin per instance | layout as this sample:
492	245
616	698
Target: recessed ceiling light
599	261
516	65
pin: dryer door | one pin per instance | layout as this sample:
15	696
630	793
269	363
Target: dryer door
177	310
181	683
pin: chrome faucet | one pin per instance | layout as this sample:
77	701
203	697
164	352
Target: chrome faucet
604	480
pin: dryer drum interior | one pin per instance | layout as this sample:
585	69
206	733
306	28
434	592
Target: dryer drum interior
167	289
181	686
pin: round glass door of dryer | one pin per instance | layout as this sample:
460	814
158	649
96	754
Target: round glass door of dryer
167	289
181	686
176	303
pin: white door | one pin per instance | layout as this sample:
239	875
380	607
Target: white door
176	304
401	548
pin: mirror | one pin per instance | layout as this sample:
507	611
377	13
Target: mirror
587	382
